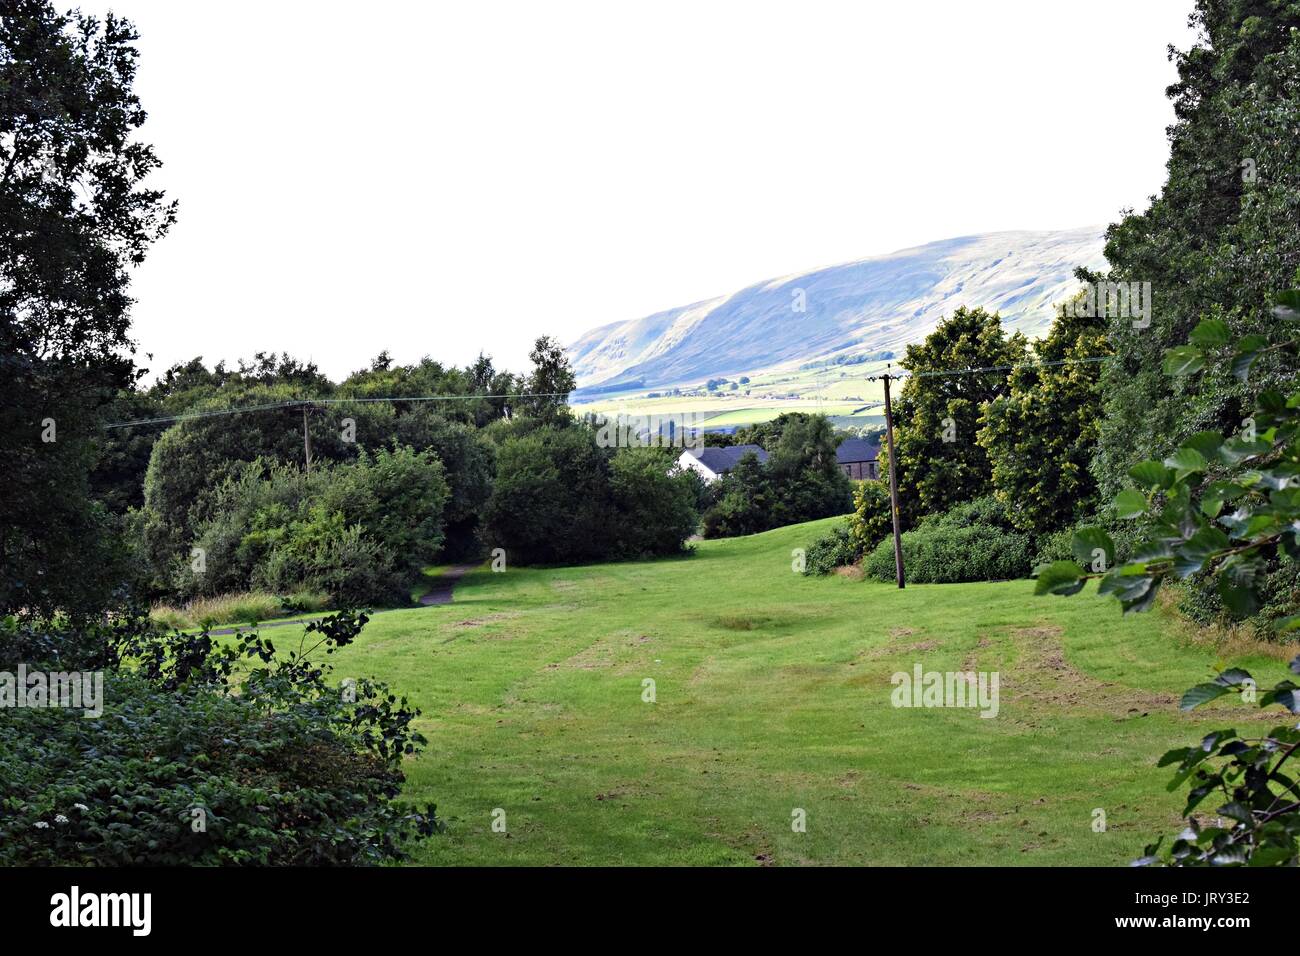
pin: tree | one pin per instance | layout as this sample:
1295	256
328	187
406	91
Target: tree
1218	235
1041	435
801	481
550	383
1216	243
1221	509
551	500
75	217
743	501
654	502
959	368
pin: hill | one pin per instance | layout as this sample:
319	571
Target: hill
855	310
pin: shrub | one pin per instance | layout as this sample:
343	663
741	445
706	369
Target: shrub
358	531
836	549
870	522
742	501
1054	547
970	542
189	765
551	502
946	555
800	482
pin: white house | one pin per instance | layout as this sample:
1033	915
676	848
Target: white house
712	463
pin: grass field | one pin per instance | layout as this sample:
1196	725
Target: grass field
839	392
773	694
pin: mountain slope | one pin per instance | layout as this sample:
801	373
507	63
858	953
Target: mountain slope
856	308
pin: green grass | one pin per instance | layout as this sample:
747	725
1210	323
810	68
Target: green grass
773	693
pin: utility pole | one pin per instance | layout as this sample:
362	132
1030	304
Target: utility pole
893	481
307	440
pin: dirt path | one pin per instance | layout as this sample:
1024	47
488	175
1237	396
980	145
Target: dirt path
439	593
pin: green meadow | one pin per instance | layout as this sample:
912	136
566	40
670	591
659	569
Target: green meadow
771	696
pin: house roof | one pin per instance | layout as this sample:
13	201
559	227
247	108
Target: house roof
857	449
722	460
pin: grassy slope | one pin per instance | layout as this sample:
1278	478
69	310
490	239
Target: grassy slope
773	693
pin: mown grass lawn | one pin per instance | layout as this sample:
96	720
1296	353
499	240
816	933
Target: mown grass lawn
773	693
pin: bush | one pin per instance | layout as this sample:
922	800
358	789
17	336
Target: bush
359	531
654	502
742	501
870	522
1054	547
551	502
188	766
836	549
971	542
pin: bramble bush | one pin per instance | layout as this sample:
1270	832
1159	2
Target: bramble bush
206	753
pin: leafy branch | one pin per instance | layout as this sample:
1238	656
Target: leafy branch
1222	507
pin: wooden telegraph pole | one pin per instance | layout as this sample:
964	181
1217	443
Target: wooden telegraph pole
893	483
307	441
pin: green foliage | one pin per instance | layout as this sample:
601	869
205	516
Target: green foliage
551	500
359	531
654	502
837	548
741	502
799	482
870	521
560	498
191	764
1041	434
937	417
1259	823
75	217
1222	509
1226	509
973	541
550	383
1214	244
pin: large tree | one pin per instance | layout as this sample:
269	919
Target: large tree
1040	436
550	383
1218	240
959	368
74	218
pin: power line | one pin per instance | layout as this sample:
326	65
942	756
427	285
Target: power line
298	402
944	373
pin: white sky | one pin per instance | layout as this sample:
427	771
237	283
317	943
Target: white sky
447	177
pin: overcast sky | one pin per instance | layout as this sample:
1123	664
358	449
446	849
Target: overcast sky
445	178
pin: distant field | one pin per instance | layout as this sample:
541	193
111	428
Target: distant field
772	695
838	391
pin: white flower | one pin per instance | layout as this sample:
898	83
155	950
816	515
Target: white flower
41	825
82	807
60	818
